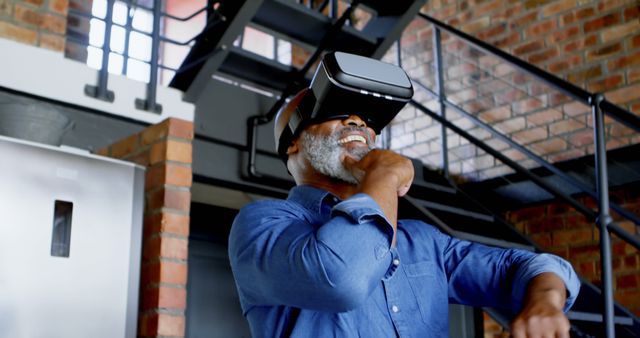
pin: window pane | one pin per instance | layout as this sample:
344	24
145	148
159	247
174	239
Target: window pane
115	63
284	52
138	70
96	33
140	46
142	20
94	57
99	8
258	42
117	39
120	13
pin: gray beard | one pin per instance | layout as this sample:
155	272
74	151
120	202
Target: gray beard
324	152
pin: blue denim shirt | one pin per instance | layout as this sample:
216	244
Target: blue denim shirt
315	266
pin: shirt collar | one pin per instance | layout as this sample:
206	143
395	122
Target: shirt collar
312	198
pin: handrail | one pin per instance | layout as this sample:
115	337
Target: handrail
583	187
623	116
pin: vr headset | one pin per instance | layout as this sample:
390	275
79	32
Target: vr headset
343	85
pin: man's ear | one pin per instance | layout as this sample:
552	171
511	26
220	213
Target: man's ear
293	148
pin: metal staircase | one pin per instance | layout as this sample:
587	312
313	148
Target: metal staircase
433	198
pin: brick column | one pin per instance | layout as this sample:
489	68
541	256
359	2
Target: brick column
37	22
165	149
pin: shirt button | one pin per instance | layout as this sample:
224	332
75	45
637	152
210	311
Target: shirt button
396	262
395	309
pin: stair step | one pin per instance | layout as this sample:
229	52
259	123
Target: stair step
257	69
309	26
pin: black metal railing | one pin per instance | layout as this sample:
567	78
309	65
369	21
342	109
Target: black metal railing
599	106
149	103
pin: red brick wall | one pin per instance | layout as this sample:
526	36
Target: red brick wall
36	22
166	150
594	44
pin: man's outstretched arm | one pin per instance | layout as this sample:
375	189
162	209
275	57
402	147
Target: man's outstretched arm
542	313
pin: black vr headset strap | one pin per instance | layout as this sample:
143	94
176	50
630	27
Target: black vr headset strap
298	119
304	113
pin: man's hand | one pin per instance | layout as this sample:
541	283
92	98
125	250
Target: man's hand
384	175
542	315
382	168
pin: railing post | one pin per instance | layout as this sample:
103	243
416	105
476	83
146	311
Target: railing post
386	140
127	29
150	103
275	48
333	8
604	219
101	92
437	61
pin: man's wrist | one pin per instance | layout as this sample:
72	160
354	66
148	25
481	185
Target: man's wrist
547	287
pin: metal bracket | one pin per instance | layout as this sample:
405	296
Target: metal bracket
93	91
142	104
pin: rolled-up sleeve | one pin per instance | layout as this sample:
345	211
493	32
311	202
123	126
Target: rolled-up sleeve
545	263
481	275
279	257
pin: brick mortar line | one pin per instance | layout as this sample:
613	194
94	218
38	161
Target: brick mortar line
182	164
152	286
172	162
167	210
162	210
166	235
165	139
160	260
176	211
173	260
159	311
179	139
170	187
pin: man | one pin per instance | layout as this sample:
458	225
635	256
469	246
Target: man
333	260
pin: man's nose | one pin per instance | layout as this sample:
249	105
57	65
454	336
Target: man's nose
354	120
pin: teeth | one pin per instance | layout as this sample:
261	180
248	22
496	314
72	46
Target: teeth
352	138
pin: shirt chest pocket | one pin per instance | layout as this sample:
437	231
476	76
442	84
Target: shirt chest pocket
429	289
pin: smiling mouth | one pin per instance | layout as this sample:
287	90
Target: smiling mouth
352	138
